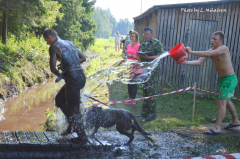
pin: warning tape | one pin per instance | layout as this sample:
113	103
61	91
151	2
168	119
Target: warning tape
180	90
227	156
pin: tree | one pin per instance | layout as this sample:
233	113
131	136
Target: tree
77	24
104	25
20	15
123	26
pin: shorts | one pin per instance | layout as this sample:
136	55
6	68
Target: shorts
117	44
227	86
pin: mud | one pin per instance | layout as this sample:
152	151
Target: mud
167	145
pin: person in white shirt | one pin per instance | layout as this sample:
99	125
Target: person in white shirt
117	42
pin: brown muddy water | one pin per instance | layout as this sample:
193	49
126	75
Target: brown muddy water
26	111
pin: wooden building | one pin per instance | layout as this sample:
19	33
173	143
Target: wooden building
193	25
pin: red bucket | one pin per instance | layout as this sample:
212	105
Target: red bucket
178	53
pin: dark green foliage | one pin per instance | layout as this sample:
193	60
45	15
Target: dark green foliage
23	15
77	24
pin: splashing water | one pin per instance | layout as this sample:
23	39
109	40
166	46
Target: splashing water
126	71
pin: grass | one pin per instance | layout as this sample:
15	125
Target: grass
22	63
172	110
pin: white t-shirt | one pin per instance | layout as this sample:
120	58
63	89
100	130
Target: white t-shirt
118	37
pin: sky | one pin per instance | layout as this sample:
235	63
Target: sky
122	9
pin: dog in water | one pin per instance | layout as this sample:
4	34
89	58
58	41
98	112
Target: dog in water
98	117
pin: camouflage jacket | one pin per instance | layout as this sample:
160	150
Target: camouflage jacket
155	46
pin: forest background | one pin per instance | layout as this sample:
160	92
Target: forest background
24	53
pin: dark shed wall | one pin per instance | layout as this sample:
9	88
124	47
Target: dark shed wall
193	25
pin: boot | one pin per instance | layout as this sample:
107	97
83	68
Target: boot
78	127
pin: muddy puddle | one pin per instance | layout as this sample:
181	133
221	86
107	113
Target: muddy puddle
26	111
168	145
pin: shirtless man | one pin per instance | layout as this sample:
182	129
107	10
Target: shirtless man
227	79
68	98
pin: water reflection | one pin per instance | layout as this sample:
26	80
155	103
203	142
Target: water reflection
26	111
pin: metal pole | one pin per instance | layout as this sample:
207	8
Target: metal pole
194	97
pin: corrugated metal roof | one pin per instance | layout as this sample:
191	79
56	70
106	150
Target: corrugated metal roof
182	5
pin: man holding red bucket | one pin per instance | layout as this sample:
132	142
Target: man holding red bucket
227	79
149	50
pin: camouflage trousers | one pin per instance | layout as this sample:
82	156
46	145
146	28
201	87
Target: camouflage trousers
149	89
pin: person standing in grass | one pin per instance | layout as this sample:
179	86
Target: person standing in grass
68	98
132	49
152	45
117	42
228	81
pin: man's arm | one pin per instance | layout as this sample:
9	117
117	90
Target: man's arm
220	50
53	49
158	48
81	57
195	62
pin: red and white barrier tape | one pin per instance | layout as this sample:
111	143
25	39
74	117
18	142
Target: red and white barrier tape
228	156
180	90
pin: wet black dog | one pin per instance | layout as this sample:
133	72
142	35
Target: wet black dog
107	118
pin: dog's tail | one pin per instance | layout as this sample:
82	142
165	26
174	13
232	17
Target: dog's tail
139	128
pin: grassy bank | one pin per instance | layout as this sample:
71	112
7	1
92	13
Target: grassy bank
22	63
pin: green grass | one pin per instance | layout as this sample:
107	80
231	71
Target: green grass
23	63
100	44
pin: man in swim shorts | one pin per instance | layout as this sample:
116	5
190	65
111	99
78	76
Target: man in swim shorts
227	79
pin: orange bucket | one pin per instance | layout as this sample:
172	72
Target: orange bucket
178	53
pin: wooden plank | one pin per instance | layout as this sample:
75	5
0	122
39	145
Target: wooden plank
52	139
214	71
186	39
169	67
234	32
158	24
178	41
157	37
11	138
236	44
63	140
174	43
230	30
3	140
189	67
201	26
32	138
22	138
220	18
160	39
164	44
161	25
204	39
227	24
44	142
172	62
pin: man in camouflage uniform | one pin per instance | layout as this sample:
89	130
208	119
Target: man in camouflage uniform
150	44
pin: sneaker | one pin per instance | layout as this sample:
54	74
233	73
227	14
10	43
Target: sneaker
128	102
133	102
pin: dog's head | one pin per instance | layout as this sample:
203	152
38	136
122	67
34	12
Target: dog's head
91	116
